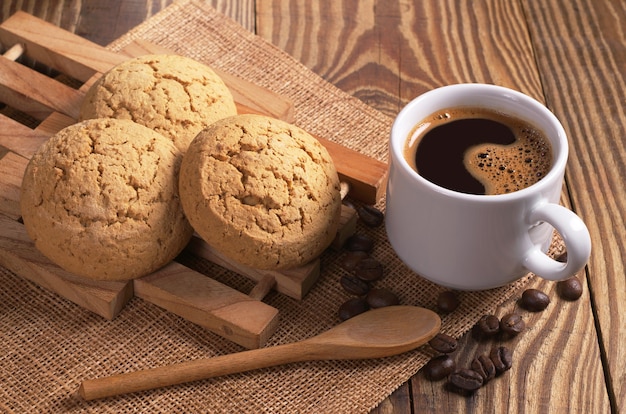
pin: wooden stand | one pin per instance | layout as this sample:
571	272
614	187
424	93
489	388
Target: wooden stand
241	318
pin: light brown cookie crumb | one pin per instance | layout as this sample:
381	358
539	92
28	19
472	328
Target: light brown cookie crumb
173	95
261	191
100	199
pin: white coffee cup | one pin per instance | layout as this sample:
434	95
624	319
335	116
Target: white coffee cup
474	242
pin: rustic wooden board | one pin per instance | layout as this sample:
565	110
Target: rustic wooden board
569	54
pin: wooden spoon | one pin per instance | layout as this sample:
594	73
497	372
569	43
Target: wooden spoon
376	333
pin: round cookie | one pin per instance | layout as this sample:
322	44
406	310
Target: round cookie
100	199
173	95
261	191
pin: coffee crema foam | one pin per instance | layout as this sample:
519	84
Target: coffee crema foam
479	151
506	168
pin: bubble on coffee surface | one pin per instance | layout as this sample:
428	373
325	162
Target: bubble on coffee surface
506	168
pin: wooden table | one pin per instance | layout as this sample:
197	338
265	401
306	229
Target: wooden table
570	54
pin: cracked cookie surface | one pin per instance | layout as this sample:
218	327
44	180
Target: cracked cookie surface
261	191
100	199
173	95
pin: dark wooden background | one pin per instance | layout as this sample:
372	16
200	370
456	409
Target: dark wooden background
570	54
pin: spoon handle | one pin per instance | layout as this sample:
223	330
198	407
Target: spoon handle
194	370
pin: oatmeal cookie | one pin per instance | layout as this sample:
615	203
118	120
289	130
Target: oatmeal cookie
173	95
261	191
100	199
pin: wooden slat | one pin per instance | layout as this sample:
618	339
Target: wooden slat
18	254
210	304
34	93
12	168
57	48
367	176
19	138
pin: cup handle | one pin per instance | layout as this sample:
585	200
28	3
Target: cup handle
575	235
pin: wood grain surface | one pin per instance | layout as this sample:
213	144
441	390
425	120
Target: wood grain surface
569	54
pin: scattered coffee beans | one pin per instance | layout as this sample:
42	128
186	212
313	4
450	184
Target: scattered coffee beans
512	324
354	286
351	259
534	300
439	367
359	242
370	215
466	379
352	307
488	325
381	297
570	289
502	358
447	301
443	343
484	366
369	269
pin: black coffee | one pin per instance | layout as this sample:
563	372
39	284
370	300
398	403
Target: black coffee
478	151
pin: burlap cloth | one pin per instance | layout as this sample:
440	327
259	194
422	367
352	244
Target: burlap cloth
49	345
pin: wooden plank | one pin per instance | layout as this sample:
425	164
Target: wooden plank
395	53
19	138
54	123
367	176
579	48
208	303
57	48
12	167
34	93
18	254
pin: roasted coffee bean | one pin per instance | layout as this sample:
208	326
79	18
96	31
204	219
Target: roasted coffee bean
512	324
502	358
351	259
488	325
439	367
381	297
370	215
484	366
352	307
534	300
354	286
443	343
570	289
359	242
447	301
369	269
466	379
